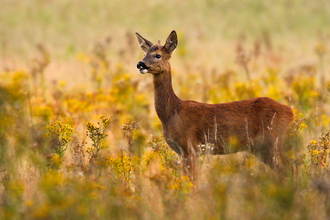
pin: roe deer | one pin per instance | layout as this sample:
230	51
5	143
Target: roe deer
257	124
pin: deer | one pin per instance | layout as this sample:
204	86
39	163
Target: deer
258	124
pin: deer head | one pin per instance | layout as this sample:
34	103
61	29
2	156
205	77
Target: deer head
156	60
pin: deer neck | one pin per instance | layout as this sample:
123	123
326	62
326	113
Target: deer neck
166	101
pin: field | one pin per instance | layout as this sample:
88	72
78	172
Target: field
79	135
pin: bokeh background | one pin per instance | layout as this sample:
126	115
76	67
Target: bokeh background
209	30
79	136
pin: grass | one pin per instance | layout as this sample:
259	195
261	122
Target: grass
79	136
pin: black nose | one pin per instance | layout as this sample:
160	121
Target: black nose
141	66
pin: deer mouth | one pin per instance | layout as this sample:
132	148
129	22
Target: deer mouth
143	71
142	67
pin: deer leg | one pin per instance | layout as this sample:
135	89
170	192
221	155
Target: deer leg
266	152
189	159
190	167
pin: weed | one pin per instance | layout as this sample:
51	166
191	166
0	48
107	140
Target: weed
102	180
317	157
59	136
129	128
97	135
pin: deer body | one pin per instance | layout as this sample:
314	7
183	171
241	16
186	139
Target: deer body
258	124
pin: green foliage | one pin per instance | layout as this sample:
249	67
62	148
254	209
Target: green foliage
111	172
59	135
97	135
167	156
124	167
317	157
305	91
115	182
297	125
129	129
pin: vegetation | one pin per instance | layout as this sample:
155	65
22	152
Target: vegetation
79	137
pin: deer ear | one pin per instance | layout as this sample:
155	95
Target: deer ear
171	42
144	43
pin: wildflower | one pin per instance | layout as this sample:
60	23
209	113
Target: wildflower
29	203
313	142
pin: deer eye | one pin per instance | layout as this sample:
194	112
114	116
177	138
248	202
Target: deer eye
158	56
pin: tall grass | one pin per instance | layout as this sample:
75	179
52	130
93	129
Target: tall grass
79	137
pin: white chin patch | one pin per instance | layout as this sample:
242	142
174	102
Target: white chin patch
143	71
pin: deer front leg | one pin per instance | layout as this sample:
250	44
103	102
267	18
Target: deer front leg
187	153
190	167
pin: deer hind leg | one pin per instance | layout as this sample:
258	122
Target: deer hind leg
267	149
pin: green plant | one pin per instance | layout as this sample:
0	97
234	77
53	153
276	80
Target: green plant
97	134
59	135
169	159
129	128
317	158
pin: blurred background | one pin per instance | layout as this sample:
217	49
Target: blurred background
208	30
65	63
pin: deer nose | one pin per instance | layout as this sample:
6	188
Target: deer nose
141	66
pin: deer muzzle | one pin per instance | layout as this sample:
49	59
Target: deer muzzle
142	67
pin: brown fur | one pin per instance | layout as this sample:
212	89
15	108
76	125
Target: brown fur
258	124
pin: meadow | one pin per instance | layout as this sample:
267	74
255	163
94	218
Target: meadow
79	136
